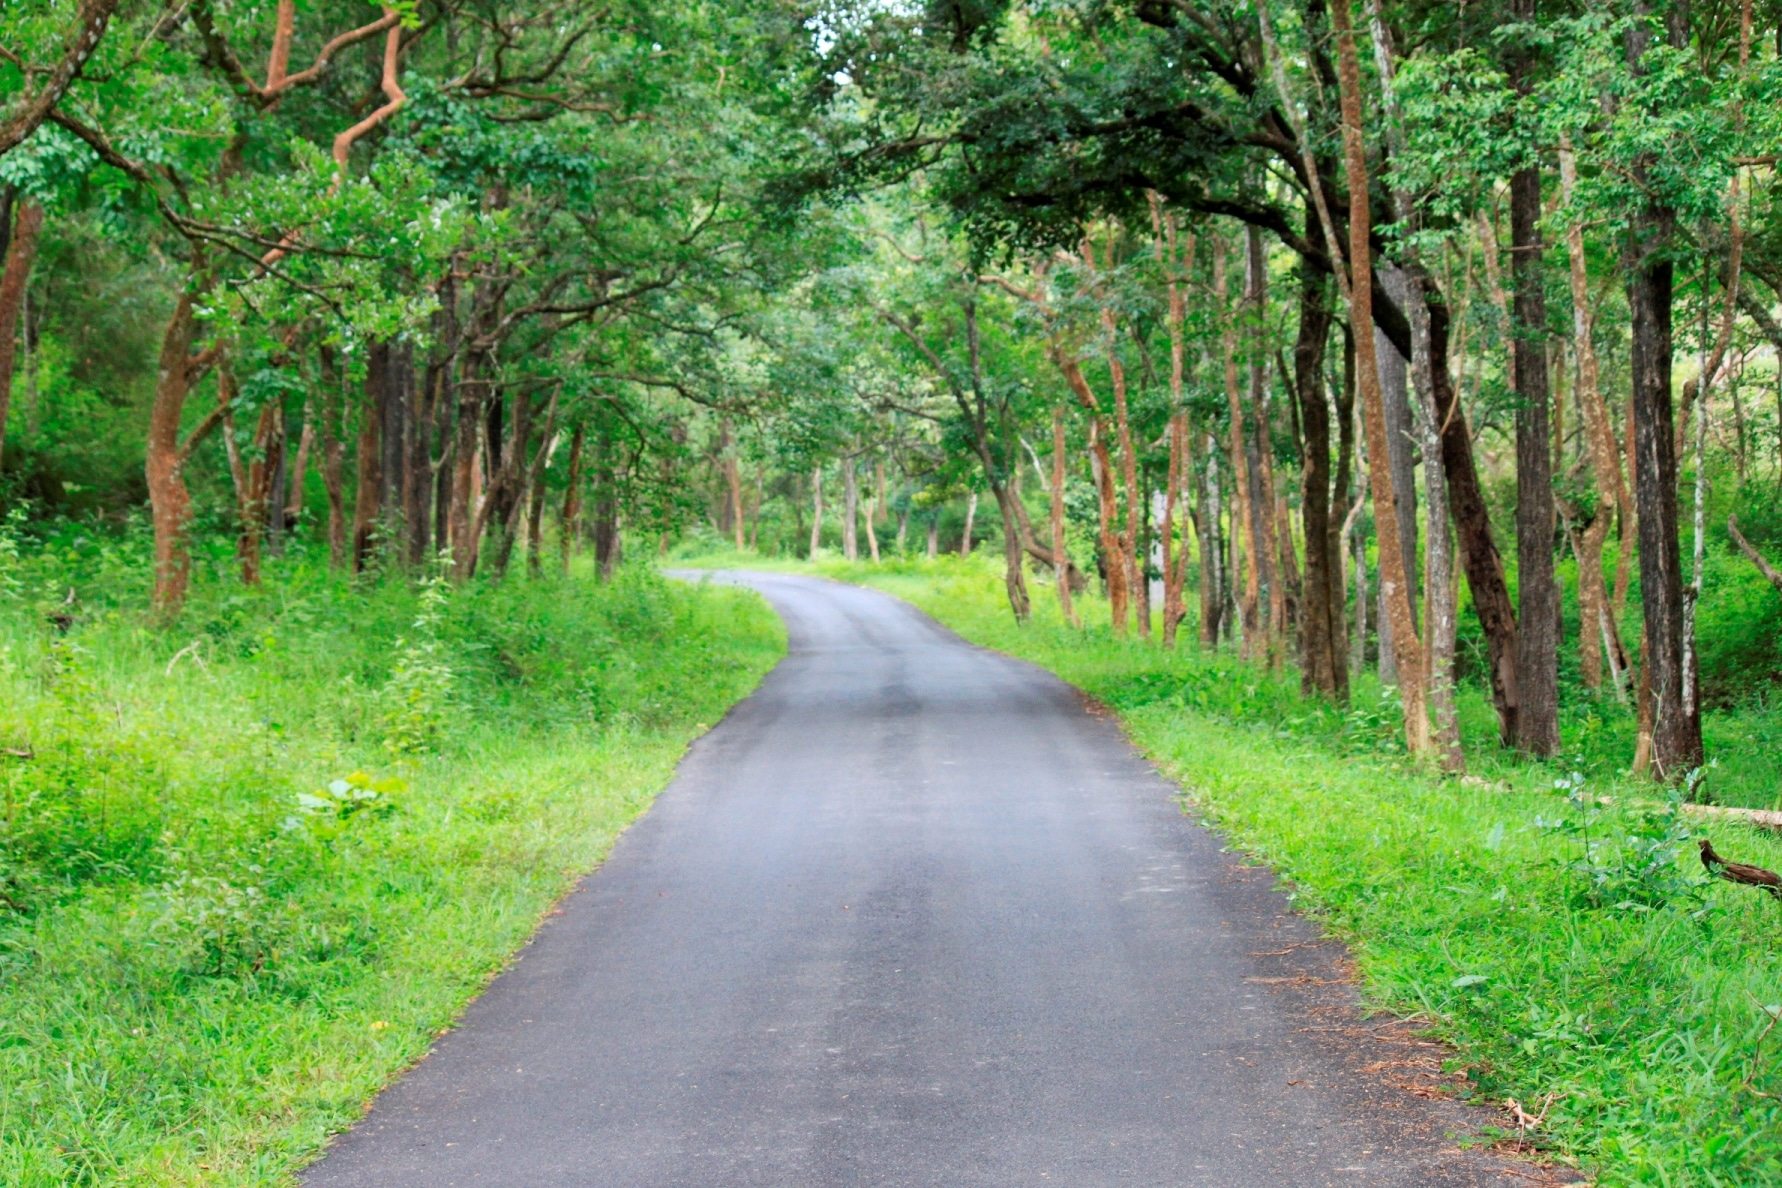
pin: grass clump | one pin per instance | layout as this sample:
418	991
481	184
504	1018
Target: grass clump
1565	946
250	864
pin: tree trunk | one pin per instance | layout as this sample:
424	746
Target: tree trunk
1537	640
396	402
971	513
572	497
334	456
733	488
170	505
850	510
934	536
299	472
1479	557
1013	580
1676	726
1175	559
872	535
1441	592
608	544
1259	497
1393	568
1598	615
816	512
1060	555
369	490
1250	602
256	493
1399	441
1106	501
1126	530
21	250
1213	585
1323	666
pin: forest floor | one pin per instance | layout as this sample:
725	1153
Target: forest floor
252	863
1572	952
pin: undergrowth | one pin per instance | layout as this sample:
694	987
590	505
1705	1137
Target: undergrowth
251	863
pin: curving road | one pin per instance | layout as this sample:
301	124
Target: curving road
911	915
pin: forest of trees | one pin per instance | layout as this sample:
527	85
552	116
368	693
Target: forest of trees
1429	337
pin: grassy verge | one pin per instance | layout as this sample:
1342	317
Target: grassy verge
252	864
1564	948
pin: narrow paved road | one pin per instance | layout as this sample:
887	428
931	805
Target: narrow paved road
911	915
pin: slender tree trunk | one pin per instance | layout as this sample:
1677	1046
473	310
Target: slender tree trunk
1537	654
1323	668
369	490
1250	602
21	250
1676	726
816	511
608	541
395	405
572	497
334	456
851	510
971	513
1213	584
872	536
1479	557
170	504
1400	436
1127	528
733	486
934	536
306	441
1441	591
1060	556
1598	614
1106	501
1393	568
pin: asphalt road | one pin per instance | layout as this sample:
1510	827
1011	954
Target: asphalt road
913	914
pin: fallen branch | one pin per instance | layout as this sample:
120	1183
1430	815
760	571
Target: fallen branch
1750	551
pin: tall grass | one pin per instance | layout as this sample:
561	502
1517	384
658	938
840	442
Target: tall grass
1571	950
253	862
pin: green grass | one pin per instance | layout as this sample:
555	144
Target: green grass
202	974
1561	946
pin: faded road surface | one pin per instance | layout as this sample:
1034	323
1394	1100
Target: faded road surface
912	916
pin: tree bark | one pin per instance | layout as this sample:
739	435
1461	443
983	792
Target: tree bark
1406	644
608	542
1676	726
334	456
1401	456
816	512
971	513
1598	614
21	251
1537	589
368	492
1060	556
1323	665
851	511
1250	601
170	504
572	497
